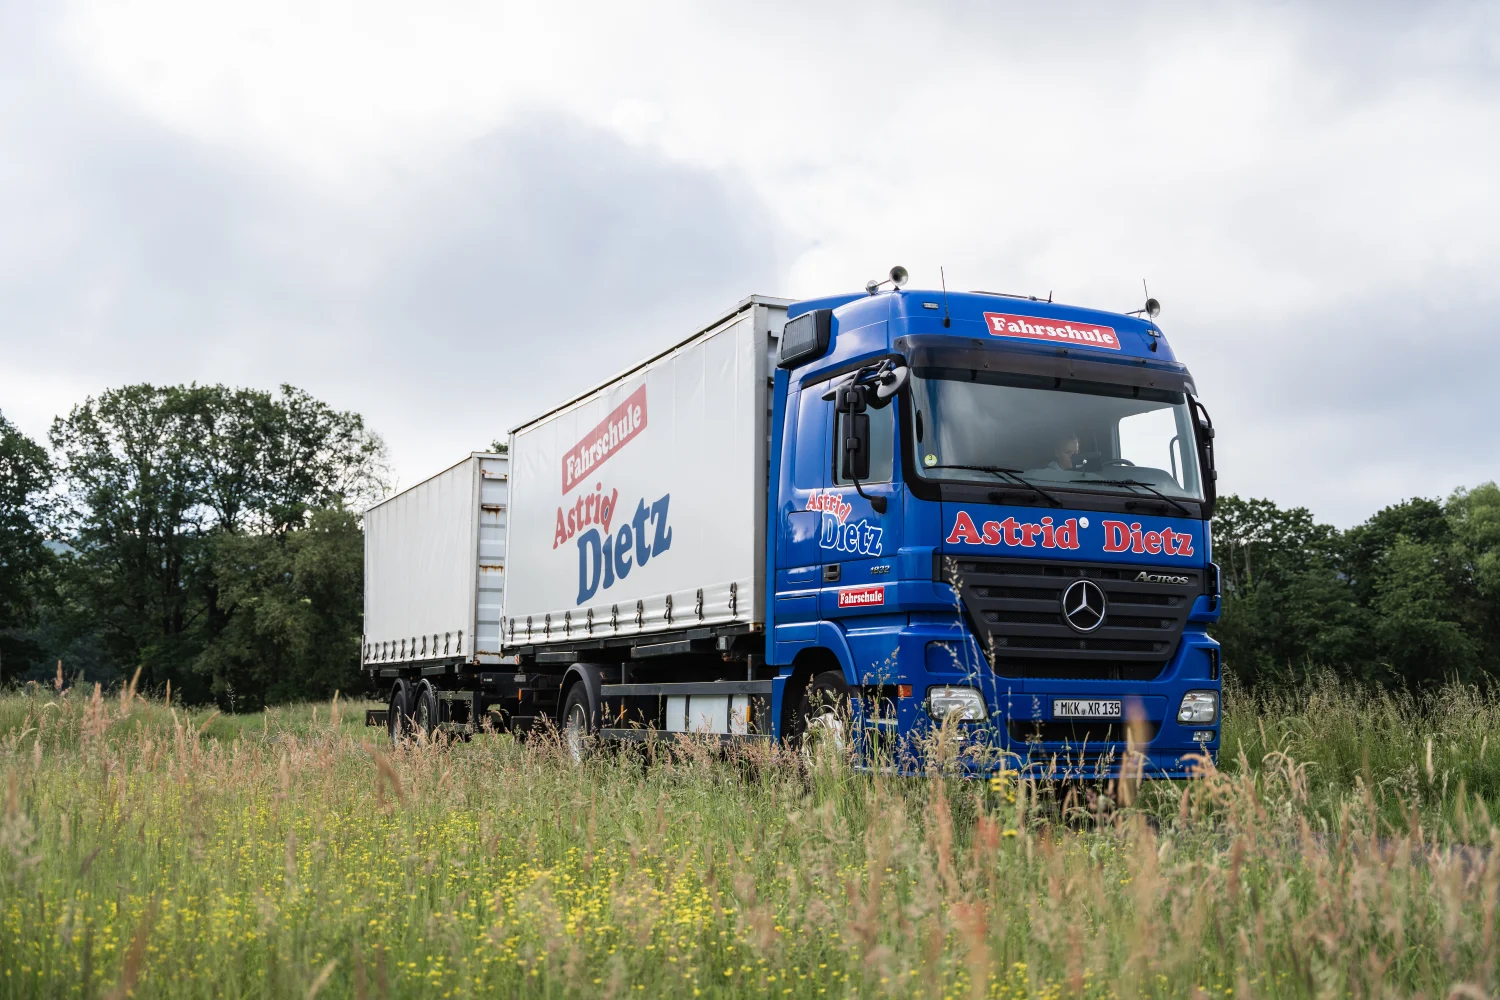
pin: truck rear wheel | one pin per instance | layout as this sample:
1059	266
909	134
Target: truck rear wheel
424	712
398	711
577	722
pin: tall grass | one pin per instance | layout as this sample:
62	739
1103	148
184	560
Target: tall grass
1425	757
147	851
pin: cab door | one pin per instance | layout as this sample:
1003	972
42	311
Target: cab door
803	480
858	542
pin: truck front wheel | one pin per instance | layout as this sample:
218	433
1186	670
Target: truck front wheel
822	714
577	722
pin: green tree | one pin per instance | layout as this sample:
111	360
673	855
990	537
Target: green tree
297	601
26	475
1287	610
158	478
1474	519
1409	598
1420	635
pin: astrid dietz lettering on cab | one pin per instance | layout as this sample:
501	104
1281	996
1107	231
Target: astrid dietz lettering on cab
858	537
1118	536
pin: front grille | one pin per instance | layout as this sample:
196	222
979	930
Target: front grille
1024	593
1026	617
1077	733
1015	606
1100	669
1070	643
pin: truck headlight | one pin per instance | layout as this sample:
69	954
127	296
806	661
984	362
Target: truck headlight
966	701
1199	708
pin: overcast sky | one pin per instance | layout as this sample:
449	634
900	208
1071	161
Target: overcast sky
447	216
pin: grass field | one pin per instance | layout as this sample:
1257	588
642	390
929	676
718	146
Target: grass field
1346	848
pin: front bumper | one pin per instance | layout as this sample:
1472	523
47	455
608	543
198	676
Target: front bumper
1021	734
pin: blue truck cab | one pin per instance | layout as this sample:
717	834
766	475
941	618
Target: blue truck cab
993	511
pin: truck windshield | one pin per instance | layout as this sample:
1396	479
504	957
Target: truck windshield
1057	433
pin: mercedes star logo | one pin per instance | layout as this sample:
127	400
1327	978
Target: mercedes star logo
1083	605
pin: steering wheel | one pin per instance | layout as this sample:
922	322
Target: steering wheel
1118	461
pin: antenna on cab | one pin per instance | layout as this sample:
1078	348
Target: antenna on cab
947	320
1152	308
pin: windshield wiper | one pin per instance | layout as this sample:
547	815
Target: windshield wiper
1014	474
1152	489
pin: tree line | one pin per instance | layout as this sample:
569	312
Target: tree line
210	537
1410	598
207	535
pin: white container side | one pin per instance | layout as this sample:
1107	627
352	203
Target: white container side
434	567
640	506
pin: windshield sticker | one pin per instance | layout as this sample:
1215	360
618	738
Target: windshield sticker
1118	535
1037	328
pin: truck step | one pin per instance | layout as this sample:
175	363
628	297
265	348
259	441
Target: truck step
687	687
527	723
641	735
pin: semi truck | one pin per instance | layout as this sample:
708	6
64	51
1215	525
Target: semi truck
883	514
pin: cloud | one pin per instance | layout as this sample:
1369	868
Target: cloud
451	220
446	303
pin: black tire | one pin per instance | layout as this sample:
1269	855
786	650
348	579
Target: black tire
824	699
398	712
424	709
577	722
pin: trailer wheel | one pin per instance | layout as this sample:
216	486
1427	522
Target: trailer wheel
424	711
822	713
398	711
577	722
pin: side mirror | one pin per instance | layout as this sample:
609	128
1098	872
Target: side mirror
1205	440
856	447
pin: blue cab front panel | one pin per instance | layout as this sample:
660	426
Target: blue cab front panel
887	594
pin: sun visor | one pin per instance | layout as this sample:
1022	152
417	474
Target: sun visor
939	351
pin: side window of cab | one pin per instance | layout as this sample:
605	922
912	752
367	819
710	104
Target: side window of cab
808	470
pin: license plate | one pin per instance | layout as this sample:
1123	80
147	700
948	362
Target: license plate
1086	709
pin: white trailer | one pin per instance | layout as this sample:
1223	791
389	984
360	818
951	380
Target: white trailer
617	552
435	568
639	507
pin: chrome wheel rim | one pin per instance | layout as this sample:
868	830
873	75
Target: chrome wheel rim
575	728
394	721
825	729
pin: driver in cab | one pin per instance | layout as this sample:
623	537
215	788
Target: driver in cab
1065	455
